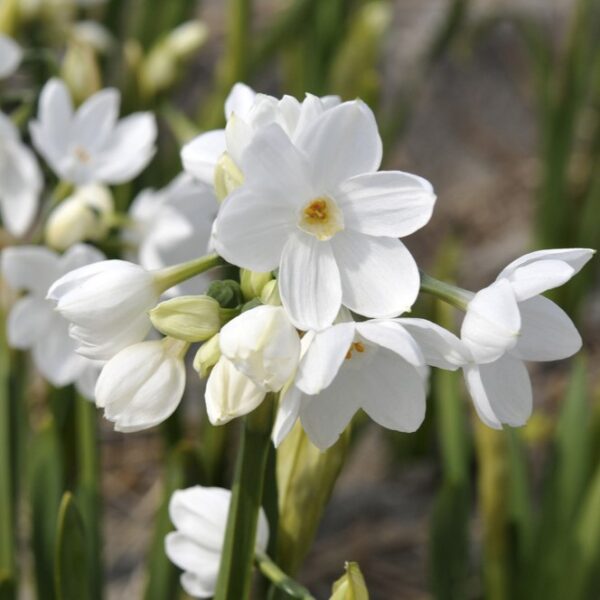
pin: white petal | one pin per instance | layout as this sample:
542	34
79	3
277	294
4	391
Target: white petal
492	323
79	255
440	348
87	380
387	203
10	56
200	156
28	321
324	357
30	268
394	337
199	586
575	257
379	275
309	282
341	143
501	392
96	118
238	135
287	414
240	100
547	332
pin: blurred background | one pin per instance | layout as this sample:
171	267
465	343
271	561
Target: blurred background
497	103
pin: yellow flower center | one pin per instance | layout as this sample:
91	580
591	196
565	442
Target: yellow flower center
322	218
82	154
355	346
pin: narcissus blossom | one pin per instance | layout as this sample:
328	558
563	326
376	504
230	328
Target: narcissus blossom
34	325
200	518
319	211
20	180
373	365
89	145
509	322
10	56
142	385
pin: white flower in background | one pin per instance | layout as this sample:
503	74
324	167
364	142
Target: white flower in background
10	56
34	325
200	518
373	365
173	225
107	304
142	385
246	112
89	145
20	180
320	212
85	215
94	35
509	322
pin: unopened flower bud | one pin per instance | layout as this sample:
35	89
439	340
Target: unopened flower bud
207	356
253	282
80	71
350	586
227	293
189	318
270	294
83	216
228	176
185	39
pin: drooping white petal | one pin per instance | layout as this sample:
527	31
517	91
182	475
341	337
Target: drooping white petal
200	156
240	100
501	391
28	320
30	268
492	323
387	203
10	56
342	142
309	282
379	275
287	414
547	332
394	337
324	357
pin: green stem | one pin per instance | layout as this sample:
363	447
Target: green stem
235	573
444	291
274	574
171	276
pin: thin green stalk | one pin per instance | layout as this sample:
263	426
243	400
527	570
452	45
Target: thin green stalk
444	291
171	276
235	573
282	581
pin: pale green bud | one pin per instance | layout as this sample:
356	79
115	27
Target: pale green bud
185	39
226	292
207	356
351	586
189	318
270	294
228	176
80	71
253	282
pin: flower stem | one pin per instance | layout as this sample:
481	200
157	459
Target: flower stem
274	574
237	557
171	276
444	291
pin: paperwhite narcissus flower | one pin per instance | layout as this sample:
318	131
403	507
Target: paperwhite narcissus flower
10	56
172	225
200	518
142	385
107	304
373	365
20	180
319	211
89	145
34	325
508	323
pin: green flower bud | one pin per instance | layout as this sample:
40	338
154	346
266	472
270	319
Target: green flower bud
270	294
207	356
228	176
189	318
351	585
80	71
227	293
253	282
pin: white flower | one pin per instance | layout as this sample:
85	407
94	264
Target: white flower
34	325
173	225
89	145
246	113
320	212
373	365
200	518
510	322
142	385
20	180
107	304
10	56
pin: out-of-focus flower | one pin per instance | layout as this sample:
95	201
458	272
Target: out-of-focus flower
94	35
20	180
34	325
509	322
10	56
80	71
200	518
86	215
373	365
319	211
142	385
89	145
107	304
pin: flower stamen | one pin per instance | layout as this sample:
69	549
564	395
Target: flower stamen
322	218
